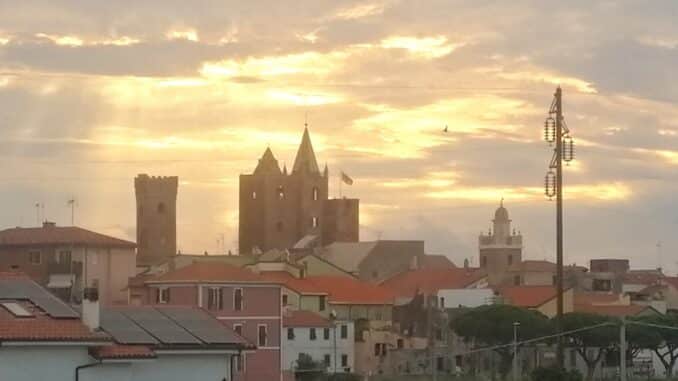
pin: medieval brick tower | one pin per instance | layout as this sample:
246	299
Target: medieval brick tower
156	218
501	249
278	209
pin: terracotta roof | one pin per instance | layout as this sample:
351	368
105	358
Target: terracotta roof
611	310
528	296
671	280
428	281
209	272
347	290
596	298
305	319
302	286
42	327
59	235
122	352
646	277
436	262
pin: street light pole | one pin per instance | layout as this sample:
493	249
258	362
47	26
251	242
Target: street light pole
516	373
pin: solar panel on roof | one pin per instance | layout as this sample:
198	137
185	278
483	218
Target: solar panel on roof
124	330
160	326
16	309
27	289
201	325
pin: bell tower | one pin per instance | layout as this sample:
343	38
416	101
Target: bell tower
500	249
156	218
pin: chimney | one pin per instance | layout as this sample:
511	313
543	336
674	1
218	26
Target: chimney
90	307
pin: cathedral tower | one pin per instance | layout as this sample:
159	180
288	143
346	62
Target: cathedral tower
156	218
500	249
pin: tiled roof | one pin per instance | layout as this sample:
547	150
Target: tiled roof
347	290
122	352
615	311
42	327
347	255
671	280
59	235
431	261
209	272
528	296
428	281
305	319
646	277
302	286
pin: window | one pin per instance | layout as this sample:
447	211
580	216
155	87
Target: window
326	360
64	257
344	331
284	299
440	363
510	259
326	333
237	299
312	334
290	333
377	350
215	298
238	329
322	303
344	361
281	193
34	257
254	195
161	208
516	280
163	295
483	261
263	335
315	194
400	343
314	222
442	302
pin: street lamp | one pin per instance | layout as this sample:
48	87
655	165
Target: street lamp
516	374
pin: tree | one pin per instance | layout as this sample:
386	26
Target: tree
493	326
590	344
307	369
665	344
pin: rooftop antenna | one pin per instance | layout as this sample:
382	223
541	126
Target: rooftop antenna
72	203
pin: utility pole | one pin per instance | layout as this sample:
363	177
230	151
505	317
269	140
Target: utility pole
516	373
555	130
622	350
72	203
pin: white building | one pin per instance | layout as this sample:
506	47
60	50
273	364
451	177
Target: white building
329	343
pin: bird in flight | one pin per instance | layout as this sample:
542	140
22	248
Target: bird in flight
445	129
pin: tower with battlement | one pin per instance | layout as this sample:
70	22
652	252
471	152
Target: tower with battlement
156	218
500	249
279	210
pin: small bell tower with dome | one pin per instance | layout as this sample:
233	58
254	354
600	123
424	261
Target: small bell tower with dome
500	249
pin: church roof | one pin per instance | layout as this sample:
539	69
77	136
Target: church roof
305	160
267	163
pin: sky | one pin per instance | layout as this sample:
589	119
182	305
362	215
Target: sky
94	92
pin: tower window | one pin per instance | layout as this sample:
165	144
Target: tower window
315	194
161	208
254	195
314	222
281	193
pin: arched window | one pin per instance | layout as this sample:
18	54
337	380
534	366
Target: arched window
281	193
315	194
161	208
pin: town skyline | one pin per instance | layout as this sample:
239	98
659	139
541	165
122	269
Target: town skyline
211	95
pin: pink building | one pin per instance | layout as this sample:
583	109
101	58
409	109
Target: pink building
240	299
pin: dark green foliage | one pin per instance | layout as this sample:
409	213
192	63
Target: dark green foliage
344	377
664	342
592	344
493	325
309	370
555	374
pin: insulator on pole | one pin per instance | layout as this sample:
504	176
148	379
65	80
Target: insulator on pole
568	149
550	184
550	130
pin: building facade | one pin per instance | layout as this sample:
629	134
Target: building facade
242	300
66	259
278	209
156	218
